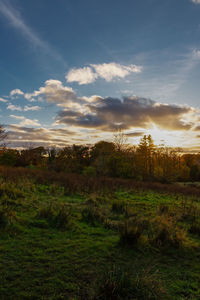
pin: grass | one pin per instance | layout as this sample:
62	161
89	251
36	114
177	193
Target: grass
124	244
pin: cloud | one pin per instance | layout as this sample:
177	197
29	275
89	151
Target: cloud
130	112
16	92
196	1
25	122
134	134
21	136
82	76
26	107
106	71
32	108
197	128
103	115
113	70
14	107
54	92
3	100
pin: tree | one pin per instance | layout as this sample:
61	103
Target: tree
3	135
146	150
120	140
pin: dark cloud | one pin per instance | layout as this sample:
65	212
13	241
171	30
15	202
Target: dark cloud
22	136
134	134
112	113
197	128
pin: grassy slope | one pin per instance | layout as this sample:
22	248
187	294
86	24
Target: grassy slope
39	261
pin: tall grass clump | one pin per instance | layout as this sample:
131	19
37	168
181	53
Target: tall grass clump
59	216
119	285
130	233
7	217
10	190
166	233
92	215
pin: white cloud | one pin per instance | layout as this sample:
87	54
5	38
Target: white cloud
16	92
196	52
82	76
3	100
14	107
31	108
113	70
107	71
25	121
26	107
196	1
55	92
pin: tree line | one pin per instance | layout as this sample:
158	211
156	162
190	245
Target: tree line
145	162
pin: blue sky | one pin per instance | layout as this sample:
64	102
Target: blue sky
75	71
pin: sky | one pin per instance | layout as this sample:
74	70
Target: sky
75	72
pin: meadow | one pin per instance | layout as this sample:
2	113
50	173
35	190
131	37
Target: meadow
66	236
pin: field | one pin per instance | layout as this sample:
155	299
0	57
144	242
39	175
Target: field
60	241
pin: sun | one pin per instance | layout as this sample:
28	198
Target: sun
165	137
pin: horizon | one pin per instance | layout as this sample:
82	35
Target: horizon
75	73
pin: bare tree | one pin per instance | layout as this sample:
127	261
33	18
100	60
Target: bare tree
120	140
3	136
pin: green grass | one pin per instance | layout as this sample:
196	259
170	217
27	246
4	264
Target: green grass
43	256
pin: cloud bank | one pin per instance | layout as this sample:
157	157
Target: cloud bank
96	117
108	114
